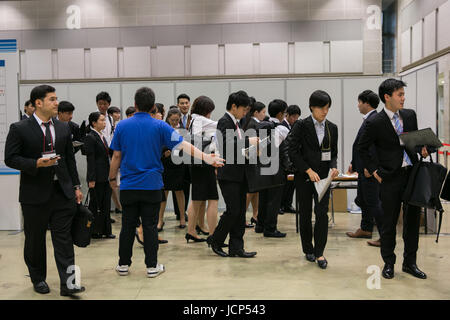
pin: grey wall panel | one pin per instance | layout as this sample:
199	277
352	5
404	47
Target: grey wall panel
417	10
273	32
136	37
107	37
238	33
263	90
201	34
169	35
305	31
70	38
37	39
344	30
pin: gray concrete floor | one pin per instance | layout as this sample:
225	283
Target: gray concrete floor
279	271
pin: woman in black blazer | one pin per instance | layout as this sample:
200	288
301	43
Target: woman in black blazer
98	158
257	114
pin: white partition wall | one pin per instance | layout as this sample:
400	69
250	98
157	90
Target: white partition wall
71	64
164	93
263	90
205	60
38	64
238	58
346	56
410	91
136	62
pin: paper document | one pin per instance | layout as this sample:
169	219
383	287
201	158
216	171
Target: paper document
251	152
77	143
323	185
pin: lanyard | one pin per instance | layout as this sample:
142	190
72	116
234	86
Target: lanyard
329	139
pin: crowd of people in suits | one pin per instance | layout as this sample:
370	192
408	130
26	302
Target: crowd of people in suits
147	153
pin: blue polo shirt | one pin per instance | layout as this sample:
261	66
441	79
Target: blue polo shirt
141	139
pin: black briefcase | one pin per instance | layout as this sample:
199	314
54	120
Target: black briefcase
81	225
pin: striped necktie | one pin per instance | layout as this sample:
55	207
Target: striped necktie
399	129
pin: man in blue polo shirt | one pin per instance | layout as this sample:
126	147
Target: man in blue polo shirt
137	146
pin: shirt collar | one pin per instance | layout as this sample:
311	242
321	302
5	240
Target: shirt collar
256	119
390	113
39	121
232	117
274	120
368	114
317	122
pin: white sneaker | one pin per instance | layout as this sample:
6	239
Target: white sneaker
122	270
154	272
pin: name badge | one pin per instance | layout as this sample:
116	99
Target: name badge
326	156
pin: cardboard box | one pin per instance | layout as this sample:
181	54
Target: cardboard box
339	200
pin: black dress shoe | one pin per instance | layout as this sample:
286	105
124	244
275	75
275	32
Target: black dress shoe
112	220
110	236
310	257
162	241
281	211
259	229
289	209
66	292
322	263
242	253
275	234
41	287
388	271
200	231
215	248
118	211
413	270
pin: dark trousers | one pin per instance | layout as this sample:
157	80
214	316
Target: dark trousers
288	194
232	221
58	212
368	199
137	204
391	195
269	203
100	205
306	193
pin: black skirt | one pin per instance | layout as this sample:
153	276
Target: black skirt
204	183
173	175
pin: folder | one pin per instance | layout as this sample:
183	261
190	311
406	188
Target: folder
423	137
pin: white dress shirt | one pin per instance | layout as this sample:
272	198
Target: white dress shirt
52	128
203	126
281	132
368	114
320	129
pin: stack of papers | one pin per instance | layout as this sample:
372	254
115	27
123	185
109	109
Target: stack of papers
323	185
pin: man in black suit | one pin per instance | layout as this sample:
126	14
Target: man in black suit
392	172
28	110
293	114
41	148
65	114
368	194
313	151
232	178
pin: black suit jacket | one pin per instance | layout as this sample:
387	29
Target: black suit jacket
76	134
305	151
24	145
227	137
357	165
381	133
97	156
24	117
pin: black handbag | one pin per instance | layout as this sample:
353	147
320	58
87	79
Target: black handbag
424	187
81	225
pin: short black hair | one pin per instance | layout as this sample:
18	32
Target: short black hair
183	96
40	92
294	109
389	86
112	110
103	96
239	98
65	106
319	98
93	117
27	103
144	99
276	106
252	102
160	108
203	106
370	97
130	110
172	107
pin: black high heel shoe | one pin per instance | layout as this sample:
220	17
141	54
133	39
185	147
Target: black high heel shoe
191	237
200	231
253	221
162	227
137	238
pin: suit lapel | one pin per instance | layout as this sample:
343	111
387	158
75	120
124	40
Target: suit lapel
312	131
36	129
406	122
388	123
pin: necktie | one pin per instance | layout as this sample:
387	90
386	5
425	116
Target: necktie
184	120
399	129
48	142
238	130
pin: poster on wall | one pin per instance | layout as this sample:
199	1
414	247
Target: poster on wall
9	94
